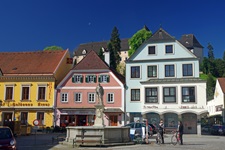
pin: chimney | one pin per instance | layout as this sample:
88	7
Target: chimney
107	56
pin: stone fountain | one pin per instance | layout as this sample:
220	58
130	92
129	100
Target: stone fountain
98	134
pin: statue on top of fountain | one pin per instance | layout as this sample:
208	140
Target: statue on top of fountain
100	92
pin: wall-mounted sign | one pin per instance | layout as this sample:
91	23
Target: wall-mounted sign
36	122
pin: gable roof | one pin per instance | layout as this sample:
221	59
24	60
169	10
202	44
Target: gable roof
222	83
160	36
97	45
190	41
91	61
41	62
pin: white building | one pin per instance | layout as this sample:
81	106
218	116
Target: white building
216	106
162	79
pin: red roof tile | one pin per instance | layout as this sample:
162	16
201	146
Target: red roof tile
222	84
91	61
41	62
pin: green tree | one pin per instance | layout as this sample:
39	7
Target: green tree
210	52
101	54
210	86
51	48
138	38
219	68
224	56
114	48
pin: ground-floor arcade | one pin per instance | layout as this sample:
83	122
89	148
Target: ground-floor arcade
191	120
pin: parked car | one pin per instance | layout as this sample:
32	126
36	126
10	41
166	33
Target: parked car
7	139
217	129
206	128
137	129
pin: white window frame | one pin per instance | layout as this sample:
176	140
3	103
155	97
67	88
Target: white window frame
77	78
42	85
79	97
103	78
90	78
110	97
63	98
91	97
9	85
21	94
172	49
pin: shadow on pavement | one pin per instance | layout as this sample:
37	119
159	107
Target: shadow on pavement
38	141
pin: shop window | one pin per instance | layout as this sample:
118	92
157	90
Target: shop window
171	120
40	118
151	95
23	118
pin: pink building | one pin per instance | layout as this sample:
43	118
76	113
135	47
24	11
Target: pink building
76	95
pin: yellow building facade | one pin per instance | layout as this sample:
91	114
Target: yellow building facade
28	97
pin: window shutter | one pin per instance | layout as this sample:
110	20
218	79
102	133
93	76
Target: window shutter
73	80
95	79
86	79
99	79
81	79
108	78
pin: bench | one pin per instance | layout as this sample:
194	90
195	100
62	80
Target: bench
58	138
87	139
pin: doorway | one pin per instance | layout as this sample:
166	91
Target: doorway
113	120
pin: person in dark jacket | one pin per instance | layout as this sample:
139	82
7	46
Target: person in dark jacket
161	130
181	131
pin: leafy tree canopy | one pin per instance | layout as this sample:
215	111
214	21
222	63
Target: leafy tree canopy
53	48
138	38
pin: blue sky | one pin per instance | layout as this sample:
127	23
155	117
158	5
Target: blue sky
31	25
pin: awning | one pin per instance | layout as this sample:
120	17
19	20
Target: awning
113	110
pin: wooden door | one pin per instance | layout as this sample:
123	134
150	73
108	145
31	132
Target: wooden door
113	120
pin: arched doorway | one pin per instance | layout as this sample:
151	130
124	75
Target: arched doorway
153	118
190	123
171	120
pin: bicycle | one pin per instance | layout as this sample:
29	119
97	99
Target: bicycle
158	138
175	138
